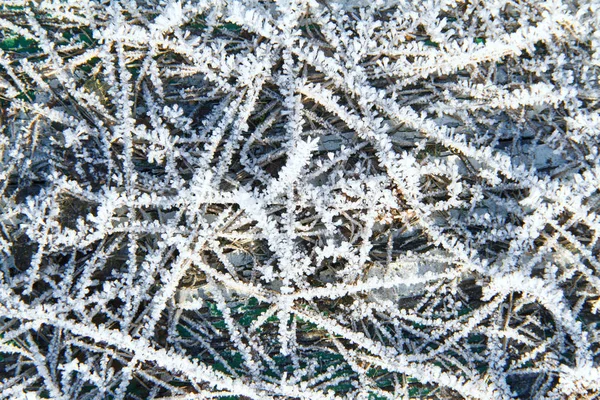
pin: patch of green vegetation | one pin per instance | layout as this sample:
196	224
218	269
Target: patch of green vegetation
230	27
309	27
528	364
201	26
89	65
245	314
183	332
250	311
213	310
416	325
19	44
327	357
220	324
464	311
233	358
250	316
339	388
418	392
379	376
84	35
26	96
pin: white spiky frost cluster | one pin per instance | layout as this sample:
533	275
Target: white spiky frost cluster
299	199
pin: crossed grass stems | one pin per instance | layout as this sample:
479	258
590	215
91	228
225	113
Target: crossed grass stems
248	311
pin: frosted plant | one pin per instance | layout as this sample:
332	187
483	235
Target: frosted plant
299	199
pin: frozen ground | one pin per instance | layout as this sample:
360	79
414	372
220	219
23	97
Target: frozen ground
299	199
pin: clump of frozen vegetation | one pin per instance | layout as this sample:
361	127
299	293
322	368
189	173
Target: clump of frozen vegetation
299	199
